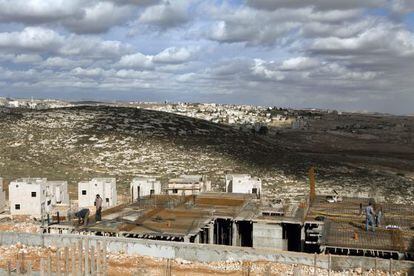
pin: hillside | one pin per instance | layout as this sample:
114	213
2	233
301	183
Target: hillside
82	142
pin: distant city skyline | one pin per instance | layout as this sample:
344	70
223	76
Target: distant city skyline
355	55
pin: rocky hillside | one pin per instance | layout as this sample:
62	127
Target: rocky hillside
83	142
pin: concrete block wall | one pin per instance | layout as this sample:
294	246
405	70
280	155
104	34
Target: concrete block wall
268	236
205	252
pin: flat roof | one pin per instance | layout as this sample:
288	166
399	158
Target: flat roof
173	215
343	221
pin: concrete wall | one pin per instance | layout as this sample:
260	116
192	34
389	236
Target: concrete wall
58	191
242	183
205	252
105	187
23	203
268	236
36	195
145	186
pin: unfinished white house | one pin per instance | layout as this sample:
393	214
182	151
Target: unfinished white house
188	185
36	196
144	186
243	183
2	196
105	187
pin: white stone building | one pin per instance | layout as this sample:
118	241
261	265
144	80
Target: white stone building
2	196
36	196
188	185
105	187
144	186
243	183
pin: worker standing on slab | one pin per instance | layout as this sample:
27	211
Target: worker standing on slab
83	216
370	215
98	205
378	217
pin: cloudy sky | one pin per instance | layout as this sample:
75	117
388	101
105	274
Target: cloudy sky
342	54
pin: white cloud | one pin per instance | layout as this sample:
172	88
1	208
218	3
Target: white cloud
90	72
402	7
27	58
39	11
263	27
94	16
63	63
94	47
264	70
49	42
166	15
176	55
137	61
299	63
319	4
99	18
383	39
31	38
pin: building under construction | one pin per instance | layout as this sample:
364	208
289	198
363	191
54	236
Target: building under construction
321	224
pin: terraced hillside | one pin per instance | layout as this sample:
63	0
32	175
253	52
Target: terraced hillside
82	142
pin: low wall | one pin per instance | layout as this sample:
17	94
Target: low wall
206	252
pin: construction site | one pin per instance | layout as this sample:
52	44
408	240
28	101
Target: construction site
325	224
253	234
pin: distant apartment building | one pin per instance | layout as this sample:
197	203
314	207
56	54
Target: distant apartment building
2	196
13	104
36	196
188	185
105	187
144	186
243	183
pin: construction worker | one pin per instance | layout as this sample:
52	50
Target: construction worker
83	216
369	217
378	217
98	205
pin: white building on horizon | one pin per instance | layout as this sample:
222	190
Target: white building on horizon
144	186
243	183
188	185
36	196
105	187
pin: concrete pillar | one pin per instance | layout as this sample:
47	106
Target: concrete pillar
197	238
58	262
80	258
186	239
8	268
73	257
42	267
49	264
93	260
211	233
98	258
18	267
302	238
29	268
86	257
235	234
105	259
66	253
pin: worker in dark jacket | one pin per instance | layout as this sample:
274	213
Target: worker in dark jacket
370	217
98	205
83	216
